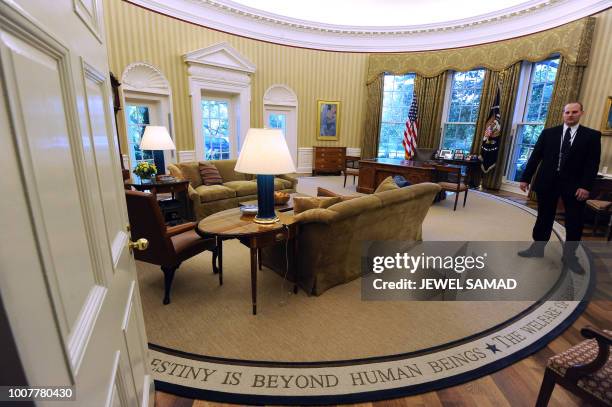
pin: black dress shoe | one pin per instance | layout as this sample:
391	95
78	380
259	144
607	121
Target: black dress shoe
535	250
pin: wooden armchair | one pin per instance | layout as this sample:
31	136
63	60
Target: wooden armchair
601	206
168	246
451	178
351	167
584	369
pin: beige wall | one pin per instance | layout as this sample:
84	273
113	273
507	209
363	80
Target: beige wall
597	82
135	34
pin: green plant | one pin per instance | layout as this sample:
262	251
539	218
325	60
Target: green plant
145	169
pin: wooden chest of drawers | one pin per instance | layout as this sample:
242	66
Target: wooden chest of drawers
328	159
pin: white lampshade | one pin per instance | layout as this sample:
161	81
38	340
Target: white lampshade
265	152
156	138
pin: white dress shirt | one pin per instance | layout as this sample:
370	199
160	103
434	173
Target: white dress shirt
573	131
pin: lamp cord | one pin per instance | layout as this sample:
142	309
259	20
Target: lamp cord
283	297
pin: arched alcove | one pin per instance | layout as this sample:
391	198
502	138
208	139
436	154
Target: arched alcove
144	85
280	104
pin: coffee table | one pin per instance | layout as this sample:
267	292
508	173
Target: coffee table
232	224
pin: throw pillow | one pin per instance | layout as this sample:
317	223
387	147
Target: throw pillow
401	181
210	174
387	185
328	193
304	203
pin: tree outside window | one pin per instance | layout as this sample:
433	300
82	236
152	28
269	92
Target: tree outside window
397	97
138	119
215	129
460	124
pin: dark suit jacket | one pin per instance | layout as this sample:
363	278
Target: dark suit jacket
580	168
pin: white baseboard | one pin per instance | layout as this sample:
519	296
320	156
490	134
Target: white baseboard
304	160
354	151
186	155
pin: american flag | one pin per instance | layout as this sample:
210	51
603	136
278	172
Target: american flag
411	132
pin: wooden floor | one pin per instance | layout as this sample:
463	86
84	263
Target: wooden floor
516	385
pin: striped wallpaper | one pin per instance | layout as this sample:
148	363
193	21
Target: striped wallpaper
597	82
136	34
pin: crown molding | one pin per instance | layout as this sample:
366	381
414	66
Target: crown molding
227	16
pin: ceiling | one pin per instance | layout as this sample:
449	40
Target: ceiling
381	13
377	25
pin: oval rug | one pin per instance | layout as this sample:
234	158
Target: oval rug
336	348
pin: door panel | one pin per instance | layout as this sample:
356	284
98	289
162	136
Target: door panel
64	256
105	159
46	146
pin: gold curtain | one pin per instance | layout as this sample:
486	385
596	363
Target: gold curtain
571	40
508	81
430	96
369	143
567	89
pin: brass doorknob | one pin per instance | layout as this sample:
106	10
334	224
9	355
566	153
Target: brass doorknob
140	244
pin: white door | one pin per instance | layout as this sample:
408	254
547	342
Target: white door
283	118
67	279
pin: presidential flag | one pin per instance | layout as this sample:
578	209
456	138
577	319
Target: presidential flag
490	141
412	129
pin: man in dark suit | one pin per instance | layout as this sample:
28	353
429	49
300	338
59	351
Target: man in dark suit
568	156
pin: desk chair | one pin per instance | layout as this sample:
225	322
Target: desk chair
351	167
450	177
584	369
168	246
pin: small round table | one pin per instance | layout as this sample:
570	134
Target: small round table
232	224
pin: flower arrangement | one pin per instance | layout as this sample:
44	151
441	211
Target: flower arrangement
145	169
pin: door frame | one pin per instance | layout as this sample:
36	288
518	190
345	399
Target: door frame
281	97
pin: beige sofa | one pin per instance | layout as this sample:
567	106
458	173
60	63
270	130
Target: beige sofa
237	187
330	240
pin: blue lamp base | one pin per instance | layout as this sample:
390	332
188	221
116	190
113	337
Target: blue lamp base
265	200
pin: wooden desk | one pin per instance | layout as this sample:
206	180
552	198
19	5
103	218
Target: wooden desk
474	171
373	171
602	188
231	224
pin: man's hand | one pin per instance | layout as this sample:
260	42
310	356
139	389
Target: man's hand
582	194
524	186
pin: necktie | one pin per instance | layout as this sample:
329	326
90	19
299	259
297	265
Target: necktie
565	147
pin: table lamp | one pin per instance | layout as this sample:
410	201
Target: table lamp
156	138
265	153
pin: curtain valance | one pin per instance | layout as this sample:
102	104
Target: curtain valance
572	41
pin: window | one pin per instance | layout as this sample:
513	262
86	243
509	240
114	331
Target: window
397	97
215	129
462	114
532	114
137	119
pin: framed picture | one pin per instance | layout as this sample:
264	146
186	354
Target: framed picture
458	155
328	120
606	122
446	154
